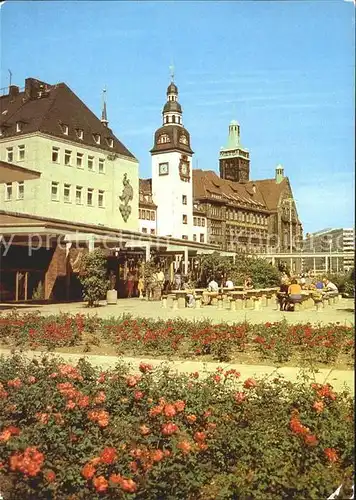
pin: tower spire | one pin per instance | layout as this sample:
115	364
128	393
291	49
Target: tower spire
104	116
171	72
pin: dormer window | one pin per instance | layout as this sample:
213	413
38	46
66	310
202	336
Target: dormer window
110	142
96	138
65	129
80	133
18	126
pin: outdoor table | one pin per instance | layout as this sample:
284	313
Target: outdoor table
238	300
210	297
181	296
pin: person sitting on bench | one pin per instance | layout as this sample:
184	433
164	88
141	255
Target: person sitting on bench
330	288
294	293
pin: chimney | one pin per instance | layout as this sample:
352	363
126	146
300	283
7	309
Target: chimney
14	91
33	87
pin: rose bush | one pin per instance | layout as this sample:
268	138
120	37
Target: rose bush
279	342
74	432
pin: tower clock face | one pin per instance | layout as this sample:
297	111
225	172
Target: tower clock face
163	169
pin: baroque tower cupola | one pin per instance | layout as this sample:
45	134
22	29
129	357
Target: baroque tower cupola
234	160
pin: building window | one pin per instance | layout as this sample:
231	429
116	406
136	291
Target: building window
21	152
9	154
139	213
101	166
203	222
90	197
54	191
67	157
101	199
80	133
185	219
55	155
18	127
153	231
144	229
66	193
90	162
96	138
153	215
20	190
65	129
184	237
78	195
194	221
80	160
184	199
194	237
110	142
8	191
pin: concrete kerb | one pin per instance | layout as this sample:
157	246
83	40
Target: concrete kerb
337	378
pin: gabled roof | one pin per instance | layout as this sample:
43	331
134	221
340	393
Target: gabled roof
45	108
207	184
271	191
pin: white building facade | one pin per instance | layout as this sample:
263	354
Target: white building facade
172	185
87	175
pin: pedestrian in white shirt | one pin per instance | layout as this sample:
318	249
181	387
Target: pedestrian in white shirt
213	286
229	284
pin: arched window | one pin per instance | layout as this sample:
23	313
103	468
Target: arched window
173	119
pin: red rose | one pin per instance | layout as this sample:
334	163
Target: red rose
184	446
191	418
331	454
310	440
179	405
249	383
199	436
145	367
239	397
157	455
88	471
131	381
50	476
108	455
169	429
318	406
169	411
100	484
128	485
138	395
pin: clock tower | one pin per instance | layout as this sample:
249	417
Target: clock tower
234	160
172	186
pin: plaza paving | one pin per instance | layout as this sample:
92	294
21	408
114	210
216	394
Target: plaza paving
343	312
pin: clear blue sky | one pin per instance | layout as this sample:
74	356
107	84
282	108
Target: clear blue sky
284	70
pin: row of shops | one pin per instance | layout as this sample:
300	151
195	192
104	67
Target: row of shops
40	258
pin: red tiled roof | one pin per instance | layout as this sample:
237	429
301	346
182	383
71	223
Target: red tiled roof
57	104
207	184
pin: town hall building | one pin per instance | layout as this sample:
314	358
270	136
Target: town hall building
227	210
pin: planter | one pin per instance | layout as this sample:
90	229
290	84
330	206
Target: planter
111	297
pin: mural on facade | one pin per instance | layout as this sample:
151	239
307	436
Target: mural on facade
125	198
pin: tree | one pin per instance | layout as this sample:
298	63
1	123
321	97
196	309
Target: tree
261	272
93	277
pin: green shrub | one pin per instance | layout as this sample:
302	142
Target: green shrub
78	433
93	277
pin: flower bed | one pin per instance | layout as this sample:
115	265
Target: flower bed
77	433
276	342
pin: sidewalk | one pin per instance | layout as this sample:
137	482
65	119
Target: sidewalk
337	378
